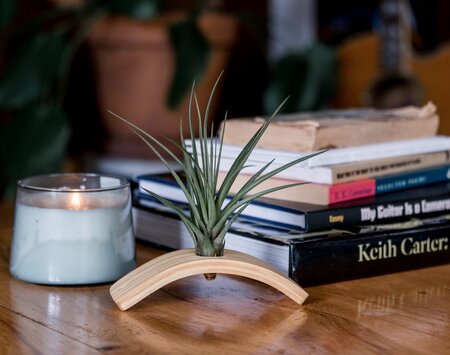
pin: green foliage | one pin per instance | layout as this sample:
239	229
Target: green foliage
33	71
136	9
309	78
38	71
209	219
34	139
192	52
7	10
33	142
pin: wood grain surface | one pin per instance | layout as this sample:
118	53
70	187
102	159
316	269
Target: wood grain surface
405	312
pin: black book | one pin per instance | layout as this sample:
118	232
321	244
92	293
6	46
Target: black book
388	208
422	202
320	257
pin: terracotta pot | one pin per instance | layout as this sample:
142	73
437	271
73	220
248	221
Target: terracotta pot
134	65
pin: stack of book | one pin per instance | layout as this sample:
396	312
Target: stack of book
377	202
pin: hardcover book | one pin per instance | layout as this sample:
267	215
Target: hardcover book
392	207
257	211
340	173
334	156
387	208
322	194
306	132
317	258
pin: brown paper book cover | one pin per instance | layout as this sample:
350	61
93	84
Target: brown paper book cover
305	132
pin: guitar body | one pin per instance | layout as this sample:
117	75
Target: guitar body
358	71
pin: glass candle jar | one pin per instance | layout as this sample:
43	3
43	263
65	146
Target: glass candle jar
72	229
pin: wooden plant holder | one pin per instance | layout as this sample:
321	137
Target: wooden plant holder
176	265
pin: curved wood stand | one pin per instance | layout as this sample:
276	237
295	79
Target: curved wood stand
176	265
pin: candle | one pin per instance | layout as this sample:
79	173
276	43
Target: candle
72	229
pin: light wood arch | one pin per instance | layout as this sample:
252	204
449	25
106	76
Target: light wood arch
176	265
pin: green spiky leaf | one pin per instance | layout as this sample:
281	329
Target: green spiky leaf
209	217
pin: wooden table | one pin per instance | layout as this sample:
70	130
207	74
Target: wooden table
399	313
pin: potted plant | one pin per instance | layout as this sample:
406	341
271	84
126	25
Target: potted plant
34	80
208	219
144	69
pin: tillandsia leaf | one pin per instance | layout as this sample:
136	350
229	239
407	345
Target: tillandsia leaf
211	191
194	173
211	159
143	135
208	105
214	148
248	186
207	174
202	140
242	158
257	180
186	160
208	191
190	159
219	155
213	173
190	122
219	240
195	178
206	248
190	198
190	163
209	218
228	211
288	165
244	189
199	171
206	163
251	180
192	228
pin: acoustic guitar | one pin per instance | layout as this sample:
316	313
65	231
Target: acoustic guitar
380	70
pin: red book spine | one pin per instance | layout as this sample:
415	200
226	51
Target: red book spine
352	190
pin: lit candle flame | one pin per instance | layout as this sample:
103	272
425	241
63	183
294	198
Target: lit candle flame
75	201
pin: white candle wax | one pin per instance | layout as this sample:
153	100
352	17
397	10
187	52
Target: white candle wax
71	246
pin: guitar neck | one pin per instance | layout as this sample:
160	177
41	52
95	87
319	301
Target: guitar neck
395	36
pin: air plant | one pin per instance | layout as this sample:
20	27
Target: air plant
210	214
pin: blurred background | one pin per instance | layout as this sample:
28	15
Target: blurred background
65	63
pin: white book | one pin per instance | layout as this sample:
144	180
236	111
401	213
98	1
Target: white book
340	173
319	175
348	154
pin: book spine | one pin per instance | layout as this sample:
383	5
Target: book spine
380	151
372	213
412	179
337	259
343	173
351	191
370	187
375	168
351	154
